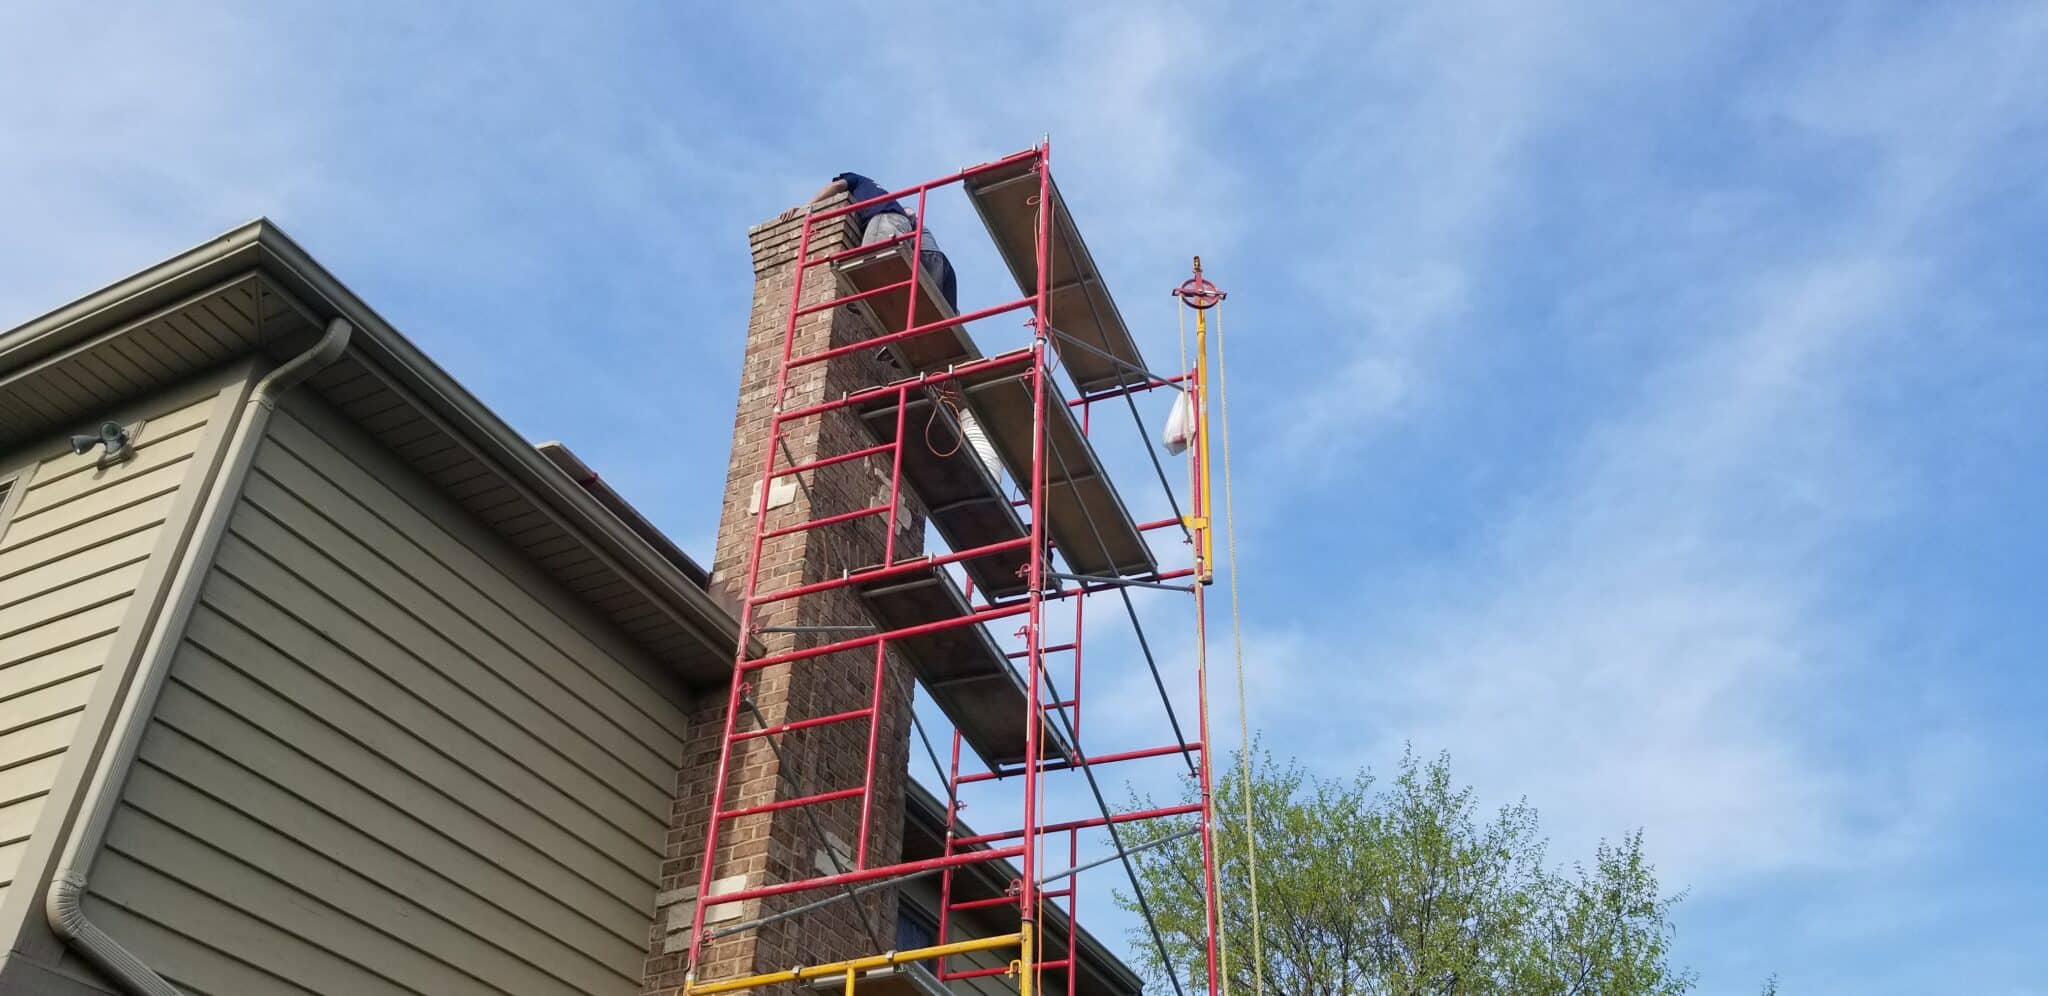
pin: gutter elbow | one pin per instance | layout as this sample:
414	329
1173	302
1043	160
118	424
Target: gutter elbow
65	905
296	370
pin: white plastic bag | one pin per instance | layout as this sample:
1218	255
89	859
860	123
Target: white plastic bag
1180	425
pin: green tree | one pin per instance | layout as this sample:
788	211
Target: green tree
1403	891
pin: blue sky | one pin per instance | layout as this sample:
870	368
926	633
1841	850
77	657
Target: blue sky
1640	402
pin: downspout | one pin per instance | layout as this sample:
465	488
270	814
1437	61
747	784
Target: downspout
64	902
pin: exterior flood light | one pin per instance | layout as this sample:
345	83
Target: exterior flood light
111	436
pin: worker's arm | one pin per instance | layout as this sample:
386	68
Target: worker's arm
836	186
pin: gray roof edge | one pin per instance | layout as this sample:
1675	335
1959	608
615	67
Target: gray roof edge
137	294
261	244
920	804
313	284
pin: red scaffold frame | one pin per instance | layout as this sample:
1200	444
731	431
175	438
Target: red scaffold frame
1024	841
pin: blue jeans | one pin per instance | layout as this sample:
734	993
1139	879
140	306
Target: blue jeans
889	224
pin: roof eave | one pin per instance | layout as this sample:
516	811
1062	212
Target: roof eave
286	262
262	245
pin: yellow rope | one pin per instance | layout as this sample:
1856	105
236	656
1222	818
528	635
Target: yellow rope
1237	638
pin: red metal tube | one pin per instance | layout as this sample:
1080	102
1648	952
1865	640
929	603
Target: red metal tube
863	249
830	520
802	724
916	260
862	875
1034	711
910	333
867	798
862	296
1128	755
1080	631
906	567
895	478
802	800
950	178
1086	824
870	640
1073	905
876	450
1016	357
982	904
952	822
1208	817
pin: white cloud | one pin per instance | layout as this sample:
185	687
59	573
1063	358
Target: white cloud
1653	639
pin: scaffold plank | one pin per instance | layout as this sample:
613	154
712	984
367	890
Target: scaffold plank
1081	306
967	675
886	274
1084	514
962	500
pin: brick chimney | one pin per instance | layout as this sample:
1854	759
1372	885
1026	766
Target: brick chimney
796	843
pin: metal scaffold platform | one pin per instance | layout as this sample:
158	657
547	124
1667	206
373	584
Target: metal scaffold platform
1033	524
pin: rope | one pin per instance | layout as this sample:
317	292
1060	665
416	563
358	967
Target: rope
942	397
1244	755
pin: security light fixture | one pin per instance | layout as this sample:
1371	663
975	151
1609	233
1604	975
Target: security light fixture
111	436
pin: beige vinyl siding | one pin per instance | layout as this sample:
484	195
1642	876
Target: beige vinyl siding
72	549
390	756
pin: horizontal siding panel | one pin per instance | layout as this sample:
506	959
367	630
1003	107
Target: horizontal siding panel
53	496
163	439
511	678
17	820
54	667
98	559
10	861
58	634
71	599
45	735
406	917
391	847
391	755
425	822
384	675
655	719
230	881
214	947
28	781
360	729
70	561
19	558
124	493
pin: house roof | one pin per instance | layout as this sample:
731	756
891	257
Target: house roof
254	290
924	834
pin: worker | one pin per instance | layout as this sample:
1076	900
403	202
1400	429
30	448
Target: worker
884	220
